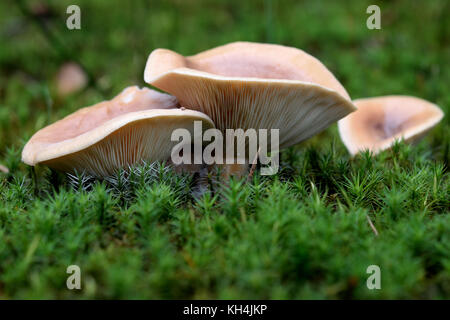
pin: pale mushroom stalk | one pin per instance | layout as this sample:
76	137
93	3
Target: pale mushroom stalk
380	121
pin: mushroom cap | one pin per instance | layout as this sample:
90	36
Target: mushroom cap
4	169
245	85
70	78
379	121
134	126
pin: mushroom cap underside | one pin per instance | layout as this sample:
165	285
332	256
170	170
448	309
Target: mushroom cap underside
298	109
246	85
380	121
121	142
117	132
131	99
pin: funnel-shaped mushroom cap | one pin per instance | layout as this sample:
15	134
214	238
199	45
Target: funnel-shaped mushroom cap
246	85
380	121
134	126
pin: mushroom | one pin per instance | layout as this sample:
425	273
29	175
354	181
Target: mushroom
380	121
70	78
245	85
134	126
4	169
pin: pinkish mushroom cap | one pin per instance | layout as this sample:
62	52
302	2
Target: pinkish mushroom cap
134	126
380	121
245	85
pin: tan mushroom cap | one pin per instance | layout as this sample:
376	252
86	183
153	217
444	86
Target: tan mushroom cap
251	85
380	121
134	126
4	169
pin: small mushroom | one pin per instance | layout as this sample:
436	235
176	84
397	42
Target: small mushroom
246	85
134	126
380	121
4	169
70	78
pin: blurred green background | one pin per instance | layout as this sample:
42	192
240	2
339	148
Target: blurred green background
409	55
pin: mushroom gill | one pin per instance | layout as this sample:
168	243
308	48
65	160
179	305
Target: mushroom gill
134	126
380	121
246	85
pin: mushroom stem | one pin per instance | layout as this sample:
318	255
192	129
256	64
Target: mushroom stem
233	170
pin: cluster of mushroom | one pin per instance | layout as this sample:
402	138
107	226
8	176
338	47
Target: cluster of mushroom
240	85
